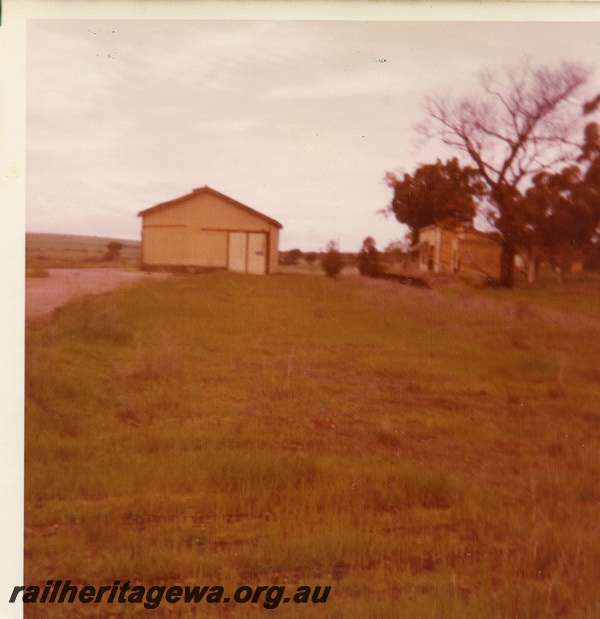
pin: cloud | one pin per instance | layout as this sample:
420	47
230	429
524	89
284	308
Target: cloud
362	83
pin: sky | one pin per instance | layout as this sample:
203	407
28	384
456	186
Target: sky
297	119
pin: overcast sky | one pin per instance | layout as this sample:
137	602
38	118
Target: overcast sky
297	119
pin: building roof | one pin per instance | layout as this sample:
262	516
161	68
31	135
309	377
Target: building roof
463	229
207	190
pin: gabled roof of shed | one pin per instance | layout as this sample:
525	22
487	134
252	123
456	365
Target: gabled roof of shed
213	192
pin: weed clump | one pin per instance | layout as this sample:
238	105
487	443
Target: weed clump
92	321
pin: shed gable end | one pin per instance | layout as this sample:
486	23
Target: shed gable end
206	229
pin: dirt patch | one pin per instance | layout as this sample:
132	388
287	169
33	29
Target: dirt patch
44	294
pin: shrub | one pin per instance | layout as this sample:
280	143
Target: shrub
290	258
113	251
368	259
332	261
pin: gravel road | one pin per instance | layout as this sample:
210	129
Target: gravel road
44	294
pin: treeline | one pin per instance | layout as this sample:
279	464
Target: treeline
526	163
369	260
530	167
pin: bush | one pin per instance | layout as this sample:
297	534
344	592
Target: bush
368	259
290	258
332	261
113	251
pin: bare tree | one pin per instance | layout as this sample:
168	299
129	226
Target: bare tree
519	124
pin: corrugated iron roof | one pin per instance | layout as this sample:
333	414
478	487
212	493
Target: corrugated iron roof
209	190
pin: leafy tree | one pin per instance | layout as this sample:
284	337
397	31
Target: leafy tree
368	259
519	124
295	255
332	261
590	153
434	192
560	219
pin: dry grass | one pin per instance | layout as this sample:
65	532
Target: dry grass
45	251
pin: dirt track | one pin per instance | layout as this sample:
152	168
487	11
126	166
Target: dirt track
44	294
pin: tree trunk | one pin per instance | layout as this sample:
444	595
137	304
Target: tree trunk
532	269
507	259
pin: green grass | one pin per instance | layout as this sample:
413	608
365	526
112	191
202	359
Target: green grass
424	457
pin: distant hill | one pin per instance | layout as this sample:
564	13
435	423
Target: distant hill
72	250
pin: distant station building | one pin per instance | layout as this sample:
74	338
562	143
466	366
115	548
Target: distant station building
443	248
208	230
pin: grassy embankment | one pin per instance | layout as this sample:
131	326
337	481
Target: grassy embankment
424	455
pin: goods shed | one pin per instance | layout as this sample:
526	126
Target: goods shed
206	229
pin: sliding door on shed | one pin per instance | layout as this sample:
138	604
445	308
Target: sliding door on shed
247	252
257	254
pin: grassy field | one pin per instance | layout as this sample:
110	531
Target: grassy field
65	250
425	453
579	294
